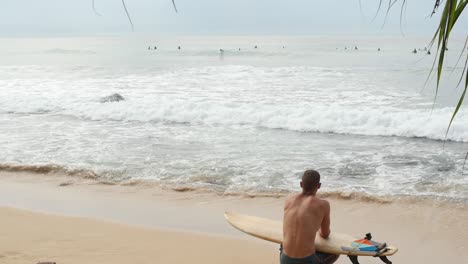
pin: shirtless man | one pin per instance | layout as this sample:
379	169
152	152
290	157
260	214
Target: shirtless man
304	216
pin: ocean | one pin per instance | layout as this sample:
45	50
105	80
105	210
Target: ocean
242	120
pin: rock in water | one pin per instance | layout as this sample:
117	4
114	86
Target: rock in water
112	98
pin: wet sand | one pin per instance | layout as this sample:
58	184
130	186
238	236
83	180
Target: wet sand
58	218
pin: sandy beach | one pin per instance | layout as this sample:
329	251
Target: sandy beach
32	237
84	222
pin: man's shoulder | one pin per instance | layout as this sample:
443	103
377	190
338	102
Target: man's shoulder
316	201
325	204
291	197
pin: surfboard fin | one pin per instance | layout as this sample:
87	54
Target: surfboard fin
354	259
385	259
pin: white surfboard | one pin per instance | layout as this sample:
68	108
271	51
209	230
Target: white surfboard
336	243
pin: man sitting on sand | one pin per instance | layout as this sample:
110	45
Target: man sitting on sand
304	216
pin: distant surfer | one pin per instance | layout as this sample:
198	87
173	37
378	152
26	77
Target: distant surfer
378	49
149	47
178	48
304	216
355	48
255	46
415	51
155	47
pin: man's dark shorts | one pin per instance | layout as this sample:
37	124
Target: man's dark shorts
317	258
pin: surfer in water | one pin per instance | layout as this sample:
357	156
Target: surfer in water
304	216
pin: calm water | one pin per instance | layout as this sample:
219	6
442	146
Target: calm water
248	120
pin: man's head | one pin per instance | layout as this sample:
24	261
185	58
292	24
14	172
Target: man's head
310	182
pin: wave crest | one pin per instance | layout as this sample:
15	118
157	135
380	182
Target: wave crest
384	121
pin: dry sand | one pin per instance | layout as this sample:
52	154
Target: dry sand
27	237
92	223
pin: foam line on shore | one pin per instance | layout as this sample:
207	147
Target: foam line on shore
71	176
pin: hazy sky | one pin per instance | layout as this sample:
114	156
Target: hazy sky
70	17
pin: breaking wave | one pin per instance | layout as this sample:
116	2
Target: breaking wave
305	99
358	120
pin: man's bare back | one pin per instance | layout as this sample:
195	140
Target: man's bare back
304	215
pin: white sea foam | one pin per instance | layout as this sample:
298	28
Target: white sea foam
332	119
242	95
359	120
245	122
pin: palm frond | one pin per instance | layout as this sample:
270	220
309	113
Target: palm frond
378	10
95	11
458	61
402	16
126	12
449	17
436	6
460	101
389	7
175	7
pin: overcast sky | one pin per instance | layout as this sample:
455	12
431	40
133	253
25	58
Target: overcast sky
70	17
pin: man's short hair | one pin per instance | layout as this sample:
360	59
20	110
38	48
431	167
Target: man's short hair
310	180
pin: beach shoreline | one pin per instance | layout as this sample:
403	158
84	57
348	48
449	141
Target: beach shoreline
31	206
66	176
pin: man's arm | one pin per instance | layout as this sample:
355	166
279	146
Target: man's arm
286	202
325	226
